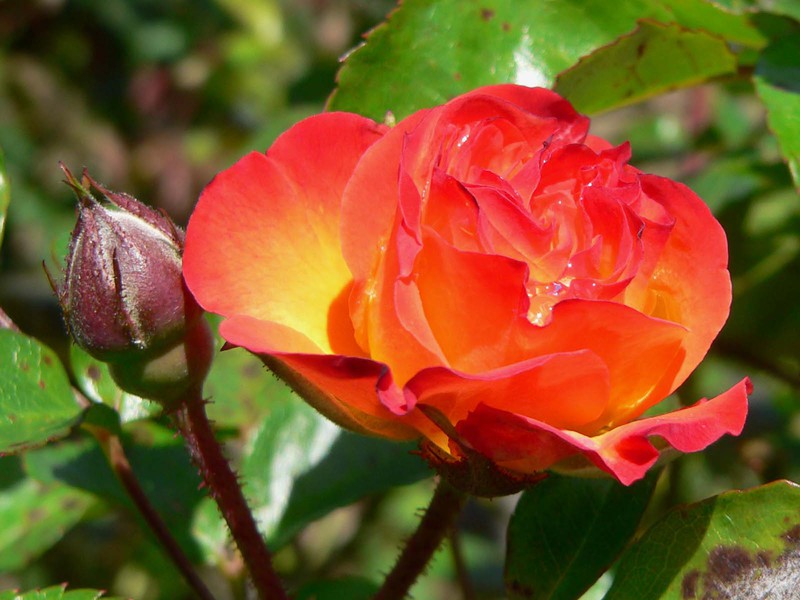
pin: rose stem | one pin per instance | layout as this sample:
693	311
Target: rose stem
193	424
436	522
115	453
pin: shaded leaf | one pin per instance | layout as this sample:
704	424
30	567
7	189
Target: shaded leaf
352	588
777	82
301	467
566	531
36	400
242	391
470	43
33	515
355	466
653	59
740	544
156	456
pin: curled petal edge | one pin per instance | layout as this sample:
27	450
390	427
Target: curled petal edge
626	452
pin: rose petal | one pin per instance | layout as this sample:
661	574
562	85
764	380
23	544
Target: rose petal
626	452
690	284
264	241
388	316
473	304
344	389
641	353
565	390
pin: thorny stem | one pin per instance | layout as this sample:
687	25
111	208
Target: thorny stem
439	517
224	488
112	447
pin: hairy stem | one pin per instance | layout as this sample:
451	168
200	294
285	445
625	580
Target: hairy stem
115	453
439	517
224	488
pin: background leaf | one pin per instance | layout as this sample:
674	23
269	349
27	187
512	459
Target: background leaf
36	400
777	82
352	588
156	456
354	467
301	467
566	531
58	592
94	380
432	50
33	515
740	544
651	60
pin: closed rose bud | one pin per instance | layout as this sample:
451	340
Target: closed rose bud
123	295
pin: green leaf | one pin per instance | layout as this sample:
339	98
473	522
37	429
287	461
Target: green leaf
432	50
301	467
653	59
57	592
566	531
33	515
740	544
5	194
156	456
36	400
241	389
352	588
290	440
355	466
789	8
95	381
777	82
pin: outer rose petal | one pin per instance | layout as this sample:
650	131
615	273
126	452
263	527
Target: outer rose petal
626	452
566	390
641	353
691	284
344	389
263	240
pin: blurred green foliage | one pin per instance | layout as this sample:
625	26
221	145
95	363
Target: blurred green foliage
155	97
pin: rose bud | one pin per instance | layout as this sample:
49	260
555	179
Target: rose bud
123	296
486	276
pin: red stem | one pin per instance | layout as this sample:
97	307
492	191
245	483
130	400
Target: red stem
445	506
225	489
114	451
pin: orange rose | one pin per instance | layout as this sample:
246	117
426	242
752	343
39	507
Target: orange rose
485	275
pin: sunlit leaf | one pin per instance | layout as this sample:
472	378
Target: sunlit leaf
36	400
651	60
432	50
740	544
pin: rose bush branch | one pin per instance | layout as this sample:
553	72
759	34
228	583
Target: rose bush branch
436	523
192	422
115	454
